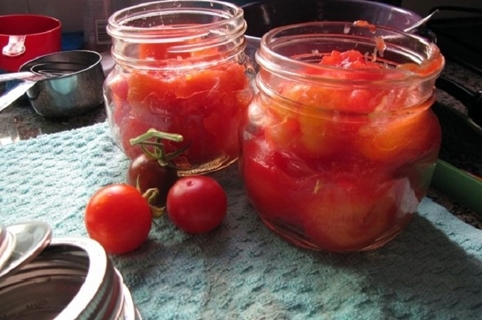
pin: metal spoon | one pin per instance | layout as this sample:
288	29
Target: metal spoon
420	22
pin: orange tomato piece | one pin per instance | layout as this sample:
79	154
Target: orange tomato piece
398	138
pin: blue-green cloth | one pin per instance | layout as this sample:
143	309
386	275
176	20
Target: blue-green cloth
432	270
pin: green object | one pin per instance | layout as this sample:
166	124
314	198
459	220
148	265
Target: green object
458	184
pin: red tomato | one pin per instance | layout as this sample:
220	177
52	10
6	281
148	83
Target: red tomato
118	217
271	191
196	204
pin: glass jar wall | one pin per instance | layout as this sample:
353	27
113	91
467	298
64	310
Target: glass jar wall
340	143
180	68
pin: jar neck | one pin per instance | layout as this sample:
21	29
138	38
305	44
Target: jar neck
178	34
406	65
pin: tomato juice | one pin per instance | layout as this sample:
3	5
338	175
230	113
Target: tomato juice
340	165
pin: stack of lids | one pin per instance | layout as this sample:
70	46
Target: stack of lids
43	277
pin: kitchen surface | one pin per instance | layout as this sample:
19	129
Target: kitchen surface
432	270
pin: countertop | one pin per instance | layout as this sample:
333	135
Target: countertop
20	122
242	270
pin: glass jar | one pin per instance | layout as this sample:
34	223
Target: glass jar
339	144
180	68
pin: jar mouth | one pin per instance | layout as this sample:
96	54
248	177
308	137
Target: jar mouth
205	31
176	20
295	51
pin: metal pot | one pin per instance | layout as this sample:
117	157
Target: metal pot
265	15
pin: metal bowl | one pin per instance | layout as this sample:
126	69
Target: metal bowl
76	89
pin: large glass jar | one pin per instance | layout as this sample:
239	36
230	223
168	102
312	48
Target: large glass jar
180	68
339	145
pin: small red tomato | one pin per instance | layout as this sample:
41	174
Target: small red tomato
197	204
118	217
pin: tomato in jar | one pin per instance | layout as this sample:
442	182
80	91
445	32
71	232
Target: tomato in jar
341	161
203	107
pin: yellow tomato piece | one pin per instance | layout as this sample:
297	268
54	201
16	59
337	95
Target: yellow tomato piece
398	137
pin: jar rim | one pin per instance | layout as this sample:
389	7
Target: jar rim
426	64
118	23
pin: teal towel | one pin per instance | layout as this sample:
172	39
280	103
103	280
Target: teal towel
432	270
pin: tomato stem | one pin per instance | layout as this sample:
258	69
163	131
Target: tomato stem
157	212
159	151
153	133
151	195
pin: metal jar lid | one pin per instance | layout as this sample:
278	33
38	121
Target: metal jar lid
28	240
69	278
7	245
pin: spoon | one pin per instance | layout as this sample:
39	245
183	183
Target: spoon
420	22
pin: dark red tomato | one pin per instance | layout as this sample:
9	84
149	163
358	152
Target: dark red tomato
197	204
145	173
118	217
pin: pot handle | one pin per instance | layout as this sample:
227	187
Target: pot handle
8	98
15	46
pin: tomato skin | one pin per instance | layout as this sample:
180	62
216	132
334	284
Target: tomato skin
118	217
197	204
145	173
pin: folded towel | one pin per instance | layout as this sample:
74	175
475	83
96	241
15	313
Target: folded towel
432	270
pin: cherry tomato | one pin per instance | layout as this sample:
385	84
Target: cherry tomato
118	217
145	173
197	204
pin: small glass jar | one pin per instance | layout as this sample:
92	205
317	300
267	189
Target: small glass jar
180	68
339	144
